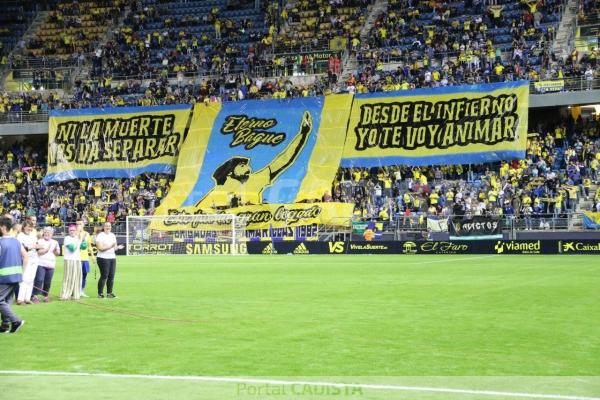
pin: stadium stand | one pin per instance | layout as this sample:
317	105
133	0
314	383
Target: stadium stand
313	26
438	44
559	176
74	28
16	15
153	52
96	201
172	52
556	175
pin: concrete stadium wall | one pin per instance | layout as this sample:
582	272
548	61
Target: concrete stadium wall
562	99
32	128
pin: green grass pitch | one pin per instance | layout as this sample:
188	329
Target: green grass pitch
509	323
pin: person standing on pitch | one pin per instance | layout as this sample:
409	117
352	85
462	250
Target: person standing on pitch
29	242
85	254
49	249
106	243
34	232
12	259
71	285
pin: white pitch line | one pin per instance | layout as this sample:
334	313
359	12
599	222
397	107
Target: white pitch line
344	262
310	383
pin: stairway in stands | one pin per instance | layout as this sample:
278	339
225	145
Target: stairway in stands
583	205
563	44
7	83
351	64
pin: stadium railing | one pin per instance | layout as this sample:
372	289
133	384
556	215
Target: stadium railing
263	71
589	20
118	227
45	62
545	222
22	117
569	84
401	226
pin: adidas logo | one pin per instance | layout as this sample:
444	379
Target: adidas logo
301	249
269	249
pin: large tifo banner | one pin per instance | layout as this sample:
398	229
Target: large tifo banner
259	159
114	142
451	125
271	161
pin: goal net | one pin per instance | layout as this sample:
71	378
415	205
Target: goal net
203	234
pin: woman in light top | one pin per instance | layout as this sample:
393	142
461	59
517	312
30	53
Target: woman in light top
71	285
49	249
106	243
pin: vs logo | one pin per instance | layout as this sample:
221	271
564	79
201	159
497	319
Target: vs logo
336	247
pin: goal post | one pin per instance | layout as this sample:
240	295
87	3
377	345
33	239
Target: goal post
199	234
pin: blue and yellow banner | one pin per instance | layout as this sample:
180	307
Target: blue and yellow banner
252	153
115	142
263	216
450	125
591	220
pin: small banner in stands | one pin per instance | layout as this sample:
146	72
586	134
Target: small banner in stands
477	225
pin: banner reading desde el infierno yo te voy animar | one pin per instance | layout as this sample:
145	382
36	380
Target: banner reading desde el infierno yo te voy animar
451	125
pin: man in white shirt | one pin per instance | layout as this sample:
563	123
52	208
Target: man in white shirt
589	77
106	243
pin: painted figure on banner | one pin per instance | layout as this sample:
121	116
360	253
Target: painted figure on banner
236	176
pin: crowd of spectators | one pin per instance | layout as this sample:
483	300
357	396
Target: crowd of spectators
437	44
105	92
170	52
14	20
562	164
74	27
306	25
95	201
185	52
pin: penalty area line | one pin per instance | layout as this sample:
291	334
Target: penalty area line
258	381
